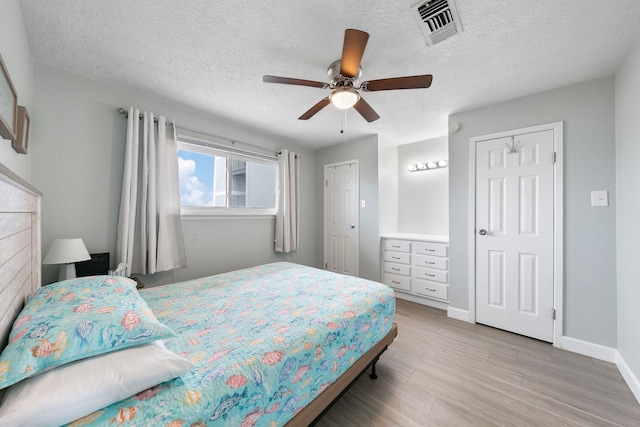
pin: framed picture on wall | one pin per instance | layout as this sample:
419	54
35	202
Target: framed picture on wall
8	105
22	133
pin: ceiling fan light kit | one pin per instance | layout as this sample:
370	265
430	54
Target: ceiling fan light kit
345	74
344	98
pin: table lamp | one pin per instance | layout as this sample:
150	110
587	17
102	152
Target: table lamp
67	252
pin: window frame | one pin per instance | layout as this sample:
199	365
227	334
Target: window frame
202	147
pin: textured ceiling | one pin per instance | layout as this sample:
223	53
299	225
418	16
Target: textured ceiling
212	55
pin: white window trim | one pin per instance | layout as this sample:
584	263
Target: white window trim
190	212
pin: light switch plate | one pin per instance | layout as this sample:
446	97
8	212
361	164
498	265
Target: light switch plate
363	204
600	198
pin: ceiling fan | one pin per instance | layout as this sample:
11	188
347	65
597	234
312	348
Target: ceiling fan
345	74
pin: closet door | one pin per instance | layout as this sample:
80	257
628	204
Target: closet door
514	233
341	218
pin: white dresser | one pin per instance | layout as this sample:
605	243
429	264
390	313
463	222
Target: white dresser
417	266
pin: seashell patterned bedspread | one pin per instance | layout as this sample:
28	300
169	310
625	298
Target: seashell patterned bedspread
265	340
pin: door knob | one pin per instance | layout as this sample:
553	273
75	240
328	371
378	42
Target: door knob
352	226
482	232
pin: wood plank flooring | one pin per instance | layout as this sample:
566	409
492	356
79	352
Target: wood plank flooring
444	372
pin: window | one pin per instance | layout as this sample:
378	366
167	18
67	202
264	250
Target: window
217	182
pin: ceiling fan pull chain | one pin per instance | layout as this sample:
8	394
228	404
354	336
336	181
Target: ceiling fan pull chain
344	126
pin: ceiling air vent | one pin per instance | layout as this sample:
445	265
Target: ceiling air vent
438	19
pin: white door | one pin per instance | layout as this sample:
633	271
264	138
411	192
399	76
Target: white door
341	218
514	233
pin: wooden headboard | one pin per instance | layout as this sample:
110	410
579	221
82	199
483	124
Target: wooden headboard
20	270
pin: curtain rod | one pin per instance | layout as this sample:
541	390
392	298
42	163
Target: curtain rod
231	141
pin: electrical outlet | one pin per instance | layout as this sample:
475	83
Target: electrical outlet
363	204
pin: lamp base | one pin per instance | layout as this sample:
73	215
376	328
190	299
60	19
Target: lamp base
67	271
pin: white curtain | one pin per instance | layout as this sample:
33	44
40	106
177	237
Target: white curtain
150	236
287	237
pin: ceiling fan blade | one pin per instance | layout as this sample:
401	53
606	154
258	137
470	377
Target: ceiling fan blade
313	110
366	111
290	81
409	82
355	42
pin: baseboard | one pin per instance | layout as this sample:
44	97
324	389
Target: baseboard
607	354
458	314
585	348
627	374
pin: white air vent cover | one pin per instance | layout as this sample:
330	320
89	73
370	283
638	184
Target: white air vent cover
438	19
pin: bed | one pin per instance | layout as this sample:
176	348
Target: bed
268	345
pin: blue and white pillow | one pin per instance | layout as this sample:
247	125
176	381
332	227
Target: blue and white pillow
75	319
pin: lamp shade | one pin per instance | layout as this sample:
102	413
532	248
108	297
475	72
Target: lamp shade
65	251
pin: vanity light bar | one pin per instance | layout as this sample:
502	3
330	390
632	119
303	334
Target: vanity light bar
417	167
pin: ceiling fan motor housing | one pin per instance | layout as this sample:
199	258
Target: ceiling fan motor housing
338	80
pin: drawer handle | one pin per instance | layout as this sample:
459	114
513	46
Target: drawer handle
395	257
430	290
395	283
395	246
395	269
430	275
431	250
429	262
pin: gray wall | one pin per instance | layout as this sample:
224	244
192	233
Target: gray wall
387	189
78	155
587	110
423	197
628	212
16	55
366	151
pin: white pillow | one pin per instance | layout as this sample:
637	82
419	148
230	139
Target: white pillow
76	389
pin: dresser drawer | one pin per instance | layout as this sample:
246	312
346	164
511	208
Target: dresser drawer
402	269
428	248
399	282
431	274
399	257
431	289
431	262
397	245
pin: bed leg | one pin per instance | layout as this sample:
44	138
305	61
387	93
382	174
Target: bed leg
373	375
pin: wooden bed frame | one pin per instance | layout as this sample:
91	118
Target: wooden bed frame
20	273
314	410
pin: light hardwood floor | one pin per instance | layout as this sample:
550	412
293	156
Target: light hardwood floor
444	372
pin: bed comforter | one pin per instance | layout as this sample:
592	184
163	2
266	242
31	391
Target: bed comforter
266	341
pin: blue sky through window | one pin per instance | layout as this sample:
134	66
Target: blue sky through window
196	178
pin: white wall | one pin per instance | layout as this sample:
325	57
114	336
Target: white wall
388	189
16	54
78	156
587	109
366	151
423	196
627	104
